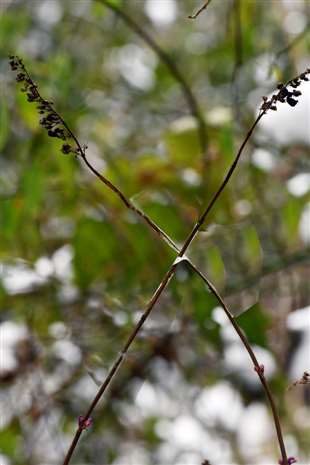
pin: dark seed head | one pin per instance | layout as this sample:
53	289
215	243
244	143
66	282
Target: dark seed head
292	102
66	148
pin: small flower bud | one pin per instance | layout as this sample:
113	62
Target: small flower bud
290	461
292	102
259	369
66	148
84	424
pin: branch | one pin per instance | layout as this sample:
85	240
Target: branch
257	367
116	365
298	38
172	67
275	266
57	127
204	6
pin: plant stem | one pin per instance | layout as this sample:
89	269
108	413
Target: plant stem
116	365
253	358
161	288
167	277
172	67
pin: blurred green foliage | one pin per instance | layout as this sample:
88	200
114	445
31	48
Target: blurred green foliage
77	268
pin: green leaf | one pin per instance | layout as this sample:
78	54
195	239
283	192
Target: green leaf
27	111
182	141
9	215
252	247
216	266
291	212
4	123
226	142
203	303
9	440
32	185
255	323
95	250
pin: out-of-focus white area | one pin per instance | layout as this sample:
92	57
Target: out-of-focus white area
299	185
254	429
295	22
67	351
21	278
263	159
161	12
300	321
288	124
49	12
134	63
186	428
237	361
191	177
3	458
209	406
10	334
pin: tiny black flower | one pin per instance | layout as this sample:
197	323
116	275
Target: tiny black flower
66	148
291	101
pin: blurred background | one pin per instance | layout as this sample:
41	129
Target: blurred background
163	121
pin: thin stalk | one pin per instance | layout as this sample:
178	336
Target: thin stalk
209	207
171	271
172	67
116	365
169	274
258	368
201	9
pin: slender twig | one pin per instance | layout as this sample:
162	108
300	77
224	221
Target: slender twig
258	368
273	266
238	57
82	153
46	107
203	217
172	67
298	38
156	297
204	6
116	365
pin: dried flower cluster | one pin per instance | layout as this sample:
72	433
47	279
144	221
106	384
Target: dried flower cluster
284	95
305	379
50	119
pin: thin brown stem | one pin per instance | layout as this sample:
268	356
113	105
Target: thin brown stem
201	9
157	294
116	365
209	207
113	187
172	67
34	94
249	350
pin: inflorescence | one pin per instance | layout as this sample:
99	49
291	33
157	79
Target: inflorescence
284	95
50	119
84	424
